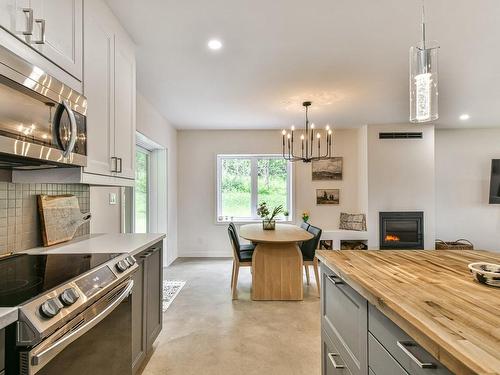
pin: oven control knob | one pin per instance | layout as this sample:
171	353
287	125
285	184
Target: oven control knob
50	308
69	296
122	266
131	260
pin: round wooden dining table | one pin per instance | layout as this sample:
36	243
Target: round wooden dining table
276	262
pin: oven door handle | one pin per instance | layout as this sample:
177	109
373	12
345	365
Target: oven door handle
73	136
47	354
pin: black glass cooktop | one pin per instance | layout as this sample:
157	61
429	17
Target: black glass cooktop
24	276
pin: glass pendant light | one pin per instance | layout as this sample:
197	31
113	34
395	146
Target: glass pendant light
424	79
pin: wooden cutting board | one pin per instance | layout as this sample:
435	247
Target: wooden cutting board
60	217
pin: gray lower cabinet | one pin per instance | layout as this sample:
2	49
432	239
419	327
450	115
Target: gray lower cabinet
138	321
357	339
414	359
345	320
146	303
332	362
153	269
2	351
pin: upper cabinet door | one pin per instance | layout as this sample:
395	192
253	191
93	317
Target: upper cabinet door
16	16
125	108
58	33
98	86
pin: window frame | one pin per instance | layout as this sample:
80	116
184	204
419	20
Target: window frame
254	190
148	154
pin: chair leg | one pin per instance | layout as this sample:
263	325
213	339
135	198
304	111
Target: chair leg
316	274
307	274
232	274
235	281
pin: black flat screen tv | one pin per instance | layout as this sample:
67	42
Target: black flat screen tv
495	182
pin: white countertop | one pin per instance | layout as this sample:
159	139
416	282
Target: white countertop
130	243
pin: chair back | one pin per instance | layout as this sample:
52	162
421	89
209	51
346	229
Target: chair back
304	225
235	243
309	247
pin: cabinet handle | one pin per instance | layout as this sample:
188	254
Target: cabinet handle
120	170
29	21
74	129
405	345
332	356
114	159
42	31
154	249
335	279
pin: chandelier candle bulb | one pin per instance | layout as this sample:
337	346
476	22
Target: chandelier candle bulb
302	141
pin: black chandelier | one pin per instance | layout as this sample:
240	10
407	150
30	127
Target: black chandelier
307	142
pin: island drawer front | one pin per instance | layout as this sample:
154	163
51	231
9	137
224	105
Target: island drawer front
389	334
345	320
381	362
332	362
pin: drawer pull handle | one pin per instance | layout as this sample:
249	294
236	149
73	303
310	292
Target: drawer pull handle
335	279
334	362
405	347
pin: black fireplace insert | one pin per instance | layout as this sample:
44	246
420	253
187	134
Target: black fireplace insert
401	230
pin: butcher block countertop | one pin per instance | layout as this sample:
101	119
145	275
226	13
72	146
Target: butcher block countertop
431	295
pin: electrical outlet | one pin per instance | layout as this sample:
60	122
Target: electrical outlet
112	198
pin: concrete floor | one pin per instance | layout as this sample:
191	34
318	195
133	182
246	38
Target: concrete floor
205	332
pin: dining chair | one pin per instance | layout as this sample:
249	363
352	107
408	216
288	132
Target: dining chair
241	258
308	249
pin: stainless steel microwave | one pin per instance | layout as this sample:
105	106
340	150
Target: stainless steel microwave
42	121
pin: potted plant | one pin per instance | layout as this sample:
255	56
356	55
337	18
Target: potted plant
286	214
268	222
305	216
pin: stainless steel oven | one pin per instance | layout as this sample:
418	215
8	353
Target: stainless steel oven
96	342
75	313
42	121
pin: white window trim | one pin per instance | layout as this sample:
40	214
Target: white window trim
149	188
255	219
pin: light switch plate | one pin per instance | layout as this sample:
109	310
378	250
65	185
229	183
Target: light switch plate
112	198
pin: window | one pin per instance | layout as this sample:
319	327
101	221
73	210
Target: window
141	194
244	181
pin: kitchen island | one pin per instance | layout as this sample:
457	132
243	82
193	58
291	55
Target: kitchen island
408	311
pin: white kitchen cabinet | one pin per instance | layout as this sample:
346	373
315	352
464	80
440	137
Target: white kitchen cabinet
62	39
54	28
125	92
14	17
110	88
99	63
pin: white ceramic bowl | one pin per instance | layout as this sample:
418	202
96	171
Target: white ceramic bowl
486	273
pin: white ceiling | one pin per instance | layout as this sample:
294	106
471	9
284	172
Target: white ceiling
350	57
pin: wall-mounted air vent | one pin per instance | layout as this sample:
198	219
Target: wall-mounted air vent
400	135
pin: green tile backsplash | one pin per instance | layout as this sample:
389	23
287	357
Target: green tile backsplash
19	219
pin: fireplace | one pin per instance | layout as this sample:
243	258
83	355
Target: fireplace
401	230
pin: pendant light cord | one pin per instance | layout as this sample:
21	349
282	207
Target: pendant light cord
423	24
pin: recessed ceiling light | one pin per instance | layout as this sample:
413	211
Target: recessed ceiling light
214	44
464	117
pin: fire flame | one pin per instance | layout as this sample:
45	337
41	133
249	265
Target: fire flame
391	238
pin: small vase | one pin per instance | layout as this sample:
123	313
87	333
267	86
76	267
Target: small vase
269	224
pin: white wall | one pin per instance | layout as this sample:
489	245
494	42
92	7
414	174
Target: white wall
463	162
401	178
155	127
199	235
